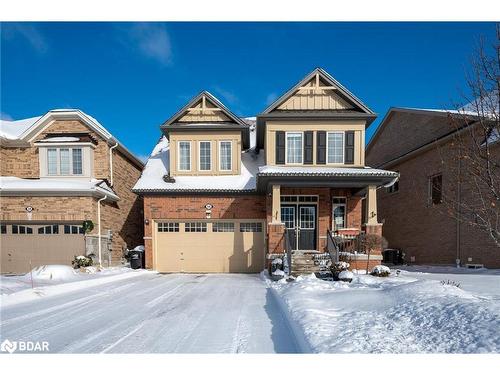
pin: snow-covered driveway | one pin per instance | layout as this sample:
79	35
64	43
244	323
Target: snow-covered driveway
154	313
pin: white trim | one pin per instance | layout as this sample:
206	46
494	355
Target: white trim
179	156
286	147
199	156
230	154
343	147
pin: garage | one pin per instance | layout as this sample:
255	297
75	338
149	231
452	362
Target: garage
39	244
212	246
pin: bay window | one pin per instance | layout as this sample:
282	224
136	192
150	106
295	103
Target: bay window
64	161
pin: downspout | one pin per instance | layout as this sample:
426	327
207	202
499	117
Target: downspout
459	204
99	225
111	162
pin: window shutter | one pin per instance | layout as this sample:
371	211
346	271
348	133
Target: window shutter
349	147
321	147
280	147
308	147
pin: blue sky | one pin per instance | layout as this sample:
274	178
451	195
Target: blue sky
133	76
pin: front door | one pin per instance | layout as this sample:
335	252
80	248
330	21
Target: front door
300	226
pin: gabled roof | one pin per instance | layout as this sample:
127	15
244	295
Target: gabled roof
340	90
22	132
228	120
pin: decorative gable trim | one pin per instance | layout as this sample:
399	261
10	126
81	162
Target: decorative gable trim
328	94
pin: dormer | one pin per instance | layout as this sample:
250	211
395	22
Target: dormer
318	122
205	138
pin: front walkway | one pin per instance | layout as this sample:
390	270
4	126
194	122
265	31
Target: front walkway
155	313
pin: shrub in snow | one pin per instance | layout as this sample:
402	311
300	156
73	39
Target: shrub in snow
345	276
277	269
381	271
81	261
340	266
450	282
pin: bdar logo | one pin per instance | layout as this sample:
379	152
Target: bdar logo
8	346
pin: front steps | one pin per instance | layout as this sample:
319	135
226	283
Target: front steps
304	262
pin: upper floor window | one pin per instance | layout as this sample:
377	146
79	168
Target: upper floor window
205	155
225	156
184	156
335	147
436	189
64	161
294	147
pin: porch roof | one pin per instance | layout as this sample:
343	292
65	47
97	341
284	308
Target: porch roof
336	177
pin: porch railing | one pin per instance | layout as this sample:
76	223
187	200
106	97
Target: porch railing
343	244
332	246
288	250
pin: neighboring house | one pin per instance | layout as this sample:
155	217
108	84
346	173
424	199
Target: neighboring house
221	191
57	171
417	143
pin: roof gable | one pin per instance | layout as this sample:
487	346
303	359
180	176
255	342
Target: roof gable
204	108
318	91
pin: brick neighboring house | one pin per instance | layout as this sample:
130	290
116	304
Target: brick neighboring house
56	170
417	144
226	194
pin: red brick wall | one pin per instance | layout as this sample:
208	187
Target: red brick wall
193	207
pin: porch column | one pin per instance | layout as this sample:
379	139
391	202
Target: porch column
276	211
371	205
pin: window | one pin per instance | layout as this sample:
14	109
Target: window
168	227
339	213
436	189
77	161
294	148
64	161
73	229
184	156
225	158
205	156
195	227
250	227
21	229
49	229
335	147
52	161
3	228
299	198
223	227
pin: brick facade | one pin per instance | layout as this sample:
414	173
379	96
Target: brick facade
123	218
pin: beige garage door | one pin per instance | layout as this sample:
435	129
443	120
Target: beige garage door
210	246
39	244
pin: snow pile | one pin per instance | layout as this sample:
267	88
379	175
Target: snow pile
59	273
381	270
346	275
14	129
396	314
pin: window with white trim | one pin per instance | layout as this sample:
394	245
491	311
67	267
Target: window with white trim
225	155
21	229
339	213
294	148
64	161
223	227
205	155
184	156
250	227
335	147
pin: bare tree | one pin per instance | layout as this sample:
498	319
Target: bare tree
472	158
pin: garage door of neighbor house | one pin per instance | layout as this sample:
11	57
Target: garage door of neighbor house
210	246
39	244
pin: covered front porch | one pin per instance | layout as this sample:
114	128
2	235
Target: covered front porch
316	216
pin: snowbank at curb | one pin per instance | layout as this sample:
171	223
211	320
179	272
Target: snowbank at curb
395	314
85	281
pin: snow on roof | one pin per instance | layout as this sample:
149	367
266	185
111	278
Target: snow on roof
158	164
14	129
274	170
56	185
60	139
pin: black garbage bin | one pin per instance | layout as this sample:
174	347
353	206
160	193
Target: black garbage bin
136	258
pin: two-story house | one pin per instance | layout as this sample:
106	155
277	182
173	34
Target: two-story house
225	194
58	171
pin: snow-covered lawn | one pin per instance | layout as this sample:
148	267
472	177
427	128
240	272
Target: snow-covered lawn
409	313
155	313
